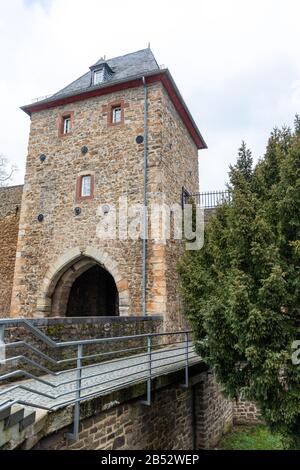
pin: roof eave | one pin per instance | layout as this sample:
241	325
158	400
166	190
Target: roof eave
186	108
130	82
81	92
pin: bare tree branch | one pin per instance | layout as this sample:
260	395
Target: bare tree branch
6	170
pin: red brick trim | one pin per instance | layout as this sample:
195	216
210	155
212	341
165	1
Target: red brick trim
181	109
60	123
80	198
108	109
163	76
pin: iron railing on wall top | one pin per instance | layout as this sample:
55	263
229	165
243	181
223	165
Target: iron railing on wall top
208	199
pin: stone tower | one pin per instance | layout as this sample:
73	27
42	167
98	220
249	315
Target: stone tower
122	130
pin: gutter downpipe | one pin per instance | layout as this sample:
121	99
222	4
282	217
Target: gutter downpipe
145	221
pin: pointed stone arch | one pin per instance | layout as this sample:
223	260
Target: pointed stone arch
67	268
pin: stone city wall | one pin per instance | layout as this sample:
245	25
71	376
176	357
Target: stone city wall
10	203
246	412
172	422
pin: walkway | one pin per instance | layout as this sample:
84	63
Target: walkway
101	379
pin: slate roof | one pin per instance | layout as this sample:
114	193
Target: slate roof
126	66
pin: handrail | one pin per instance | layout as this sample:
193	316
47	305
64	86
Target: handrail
40	335
35	331
84	381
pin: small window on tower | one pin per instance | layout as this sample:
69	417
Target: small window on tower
116	114
86	186
67	124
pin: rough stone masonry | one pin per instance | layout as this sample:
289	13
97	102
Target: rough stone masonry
56	251
50	245
10	205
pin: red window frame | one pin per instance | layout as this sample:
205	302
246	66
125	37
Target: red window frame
60	123
79	197
113	109
109	110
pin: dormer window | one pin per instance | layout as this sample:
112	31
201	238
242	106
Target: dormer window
98	76
100	73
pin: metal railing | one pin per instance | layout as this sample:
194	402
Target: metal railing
207	200
41	98
157	354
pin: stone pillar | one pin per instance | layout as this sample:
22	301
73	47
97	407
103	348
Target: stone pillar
213	413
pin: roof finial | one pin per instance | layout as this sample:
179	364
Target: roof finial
149	45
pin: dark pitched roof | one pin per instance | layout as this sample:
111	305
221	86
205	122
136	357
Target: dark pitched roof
128	71
124	67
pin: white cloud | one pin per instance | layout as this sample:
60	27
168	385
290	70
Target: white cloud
235	62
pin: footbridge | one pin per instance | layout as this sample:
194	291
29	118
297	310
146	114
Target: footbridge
44	377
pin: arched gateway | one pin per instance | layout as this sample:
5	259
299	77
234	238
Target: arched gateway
86	171
84	283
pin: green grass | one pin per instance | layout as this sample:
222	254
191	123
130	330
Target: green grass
250	438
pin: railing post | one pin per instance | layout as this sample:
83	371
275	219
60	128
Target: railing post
2	344
75	434
149	351
186	354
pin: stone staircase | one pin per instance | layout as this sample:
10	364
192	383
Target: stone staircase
16	425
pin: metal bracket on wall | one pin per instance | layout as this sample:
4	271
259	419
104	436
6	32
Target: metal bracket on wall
2	344
147	402
186	368
75	434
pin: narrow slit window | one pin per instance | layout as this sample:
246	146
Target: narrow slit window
86	186
67	124
116	115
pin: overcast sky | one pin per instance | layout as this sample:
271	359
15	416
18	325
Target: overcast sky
236	63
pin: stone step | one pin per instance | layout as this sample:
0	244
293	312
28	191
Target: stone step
28	420
16	415
4	413
4	435
14	425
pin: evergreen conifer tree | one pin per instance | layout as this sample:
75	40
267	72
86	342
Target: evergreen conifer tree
242	289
